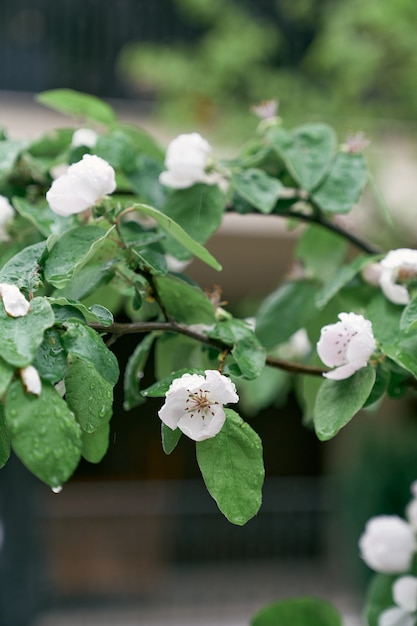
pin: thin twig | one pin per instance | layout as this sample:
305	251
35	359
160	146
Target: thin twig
119	329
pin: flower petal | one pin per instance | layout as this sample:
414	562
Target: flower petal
201	427
15	303
404	592
31	380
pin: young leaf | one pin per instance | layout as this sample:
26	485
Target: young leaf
184	302
95	313
198	210
78	105
285	311
343	186
247	350
339	400
51	358
258	188
43	433
21	337
22	269
342	278
298	612
379	597
134	372
232	467
95	444
179	234
170	438
88	395
71	251
88	345
307	151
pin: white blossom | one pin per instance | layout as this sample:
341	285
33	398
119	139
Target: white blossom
346	345
186	161
84	137
387	544
397	267
396	617
82	186
411	513
194	404
6	214
15	303
31	380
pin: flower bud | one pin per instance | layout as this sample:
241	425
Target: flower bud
388	544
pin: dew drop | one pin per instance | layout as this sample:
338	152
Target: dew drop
57	489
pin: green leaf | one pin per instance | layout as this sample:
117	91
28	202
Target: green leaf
20	337
42	217
87	344
343	186
247	351
51	358
180	235
385	317
78	105
4	439
95	313
339	400
321	252
403	352
307	151
185	303
143	141
71	251
170	438
285	311
232	467
258	188
198	210
379	597
6	375
173	352
144	179
151	261
342	278
88	395
408	320
382	381
22	269
43	433
9	152
95	445
134	372
298	612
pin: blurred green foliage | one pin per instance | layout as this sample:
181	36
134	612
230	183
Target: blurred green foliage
330	58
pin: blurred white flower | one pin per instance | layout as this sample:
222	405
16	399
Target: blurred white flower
371	273
15	303
82	186
387	544
6	214
404	593
346	345
186	161
31	380
194	404
84	137
398	267
266	109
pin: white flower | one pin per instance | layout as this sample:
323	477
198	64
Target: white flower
388	544
15	303
266	109
31	380
398	266
404	592
346	345
186	160
84	184
411	513
6	214
84	137
194	404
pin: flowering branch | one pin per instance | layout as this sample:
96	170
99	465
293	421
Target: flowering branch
118	329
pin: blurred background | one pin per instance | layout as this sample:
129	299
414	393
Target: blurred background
137	540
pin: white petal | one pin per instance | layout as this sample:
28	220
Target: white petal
396	617
398	294
31	380
6	214
387	545
15	303
221	388
190	382
404	592
360	349
342	372
200	429
84	137
332	345
174	408
397	258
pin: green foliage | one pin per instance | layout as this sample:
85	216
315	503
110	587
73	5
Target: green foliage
78	105
298	612
232	468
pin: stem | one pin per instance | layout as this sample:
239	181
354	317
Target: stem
119	329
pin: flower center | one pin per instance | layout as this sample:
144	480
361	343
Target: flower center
198	403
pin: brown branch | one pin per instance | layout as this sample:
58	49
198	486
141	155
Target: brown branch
119	329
